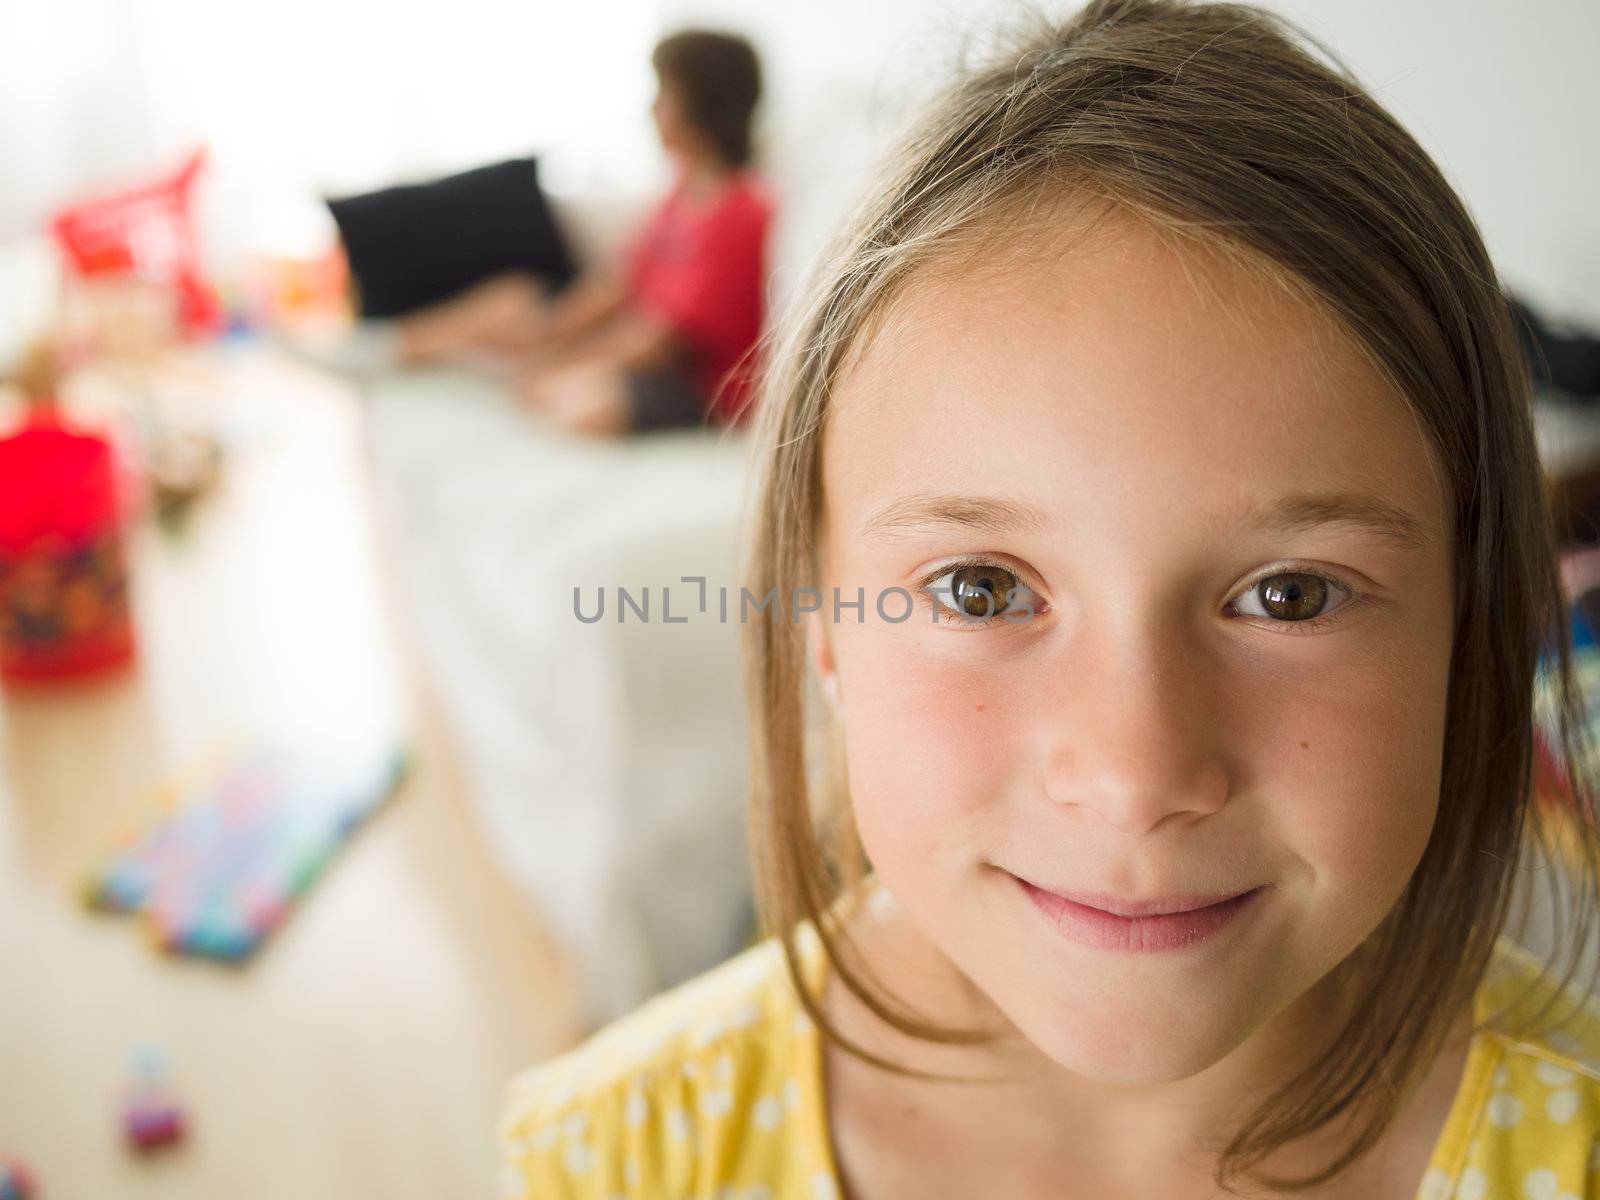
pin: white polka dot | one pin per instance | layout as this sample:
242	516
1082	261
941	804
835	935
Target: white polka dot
756	1191
802	1022
690	1066
748	1013
579	1157
791	1094
630	1172
1540	1184
716	1102
576	1124
1501	1076
822	1187
1435	1185
546	1137
708	1033
1561	1105
751	972
723	1067
1505	1110
1553	1075
769	1111
1473	1185
677	1122
637	1108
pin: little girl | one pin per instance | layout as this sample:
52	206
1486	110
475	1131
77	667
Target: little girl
1157	444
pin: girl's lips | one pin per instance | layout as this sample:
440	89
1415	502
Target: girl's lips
1166	923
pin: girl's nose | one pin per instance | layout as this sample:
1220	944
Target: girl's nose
1135	727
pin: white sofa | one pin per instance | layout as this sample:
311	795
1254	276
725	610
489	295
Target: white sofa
606	759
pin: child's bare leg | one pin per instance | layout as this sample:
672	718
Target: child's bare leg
501	315
588	398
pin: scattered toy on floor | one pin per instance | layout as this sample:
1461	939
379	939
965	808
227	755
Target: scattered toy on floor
16	1183
232	849
151	1117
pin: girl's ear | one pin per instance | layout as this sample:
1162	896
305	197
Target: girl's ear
820	650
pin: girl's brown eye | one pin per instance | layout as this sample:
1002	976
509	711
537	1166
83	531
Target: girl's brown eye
1293	597
979	591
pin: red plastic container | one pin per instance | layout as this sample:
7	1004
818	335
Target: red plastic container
64	610
145	232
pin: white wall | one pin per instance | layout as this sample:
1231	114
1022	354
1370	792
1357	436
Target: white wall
1505	95
306	96
302	98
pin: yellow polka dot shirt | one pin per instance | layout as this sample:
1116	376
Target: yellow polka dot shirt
714	1090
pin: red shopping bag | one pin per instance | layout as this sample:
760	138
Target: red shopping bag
146	232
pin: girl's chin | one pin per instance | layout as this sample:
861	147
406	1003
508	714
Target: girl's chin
1132	1055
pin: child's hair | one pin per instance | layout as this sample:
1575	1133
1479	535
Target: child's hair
719	77
1214	124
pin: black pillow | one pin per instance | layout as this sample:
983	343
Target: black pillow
415	244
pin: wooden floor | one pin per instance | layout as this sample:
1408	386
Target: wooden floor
364	1051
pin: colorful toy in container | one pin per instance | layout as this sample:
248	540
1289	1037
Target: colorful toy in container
64	608
144	233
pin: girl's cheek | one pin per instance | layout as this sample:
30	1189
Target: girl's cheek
1348	773
931	740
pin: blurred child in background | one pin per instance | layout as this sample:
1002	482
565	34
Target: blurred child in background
670	339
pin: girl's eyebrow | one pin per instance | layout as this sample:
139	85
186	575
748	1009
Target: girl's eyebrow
1297	513
988	514
1303	511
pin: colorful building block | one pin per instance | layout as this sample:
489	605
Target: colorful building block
16	1183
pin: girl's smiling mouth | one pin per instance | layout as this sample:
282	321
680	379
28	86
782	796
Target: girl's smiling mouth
1163	923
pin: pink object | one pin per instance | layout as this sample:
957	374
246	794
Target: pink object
1580	570
149	1125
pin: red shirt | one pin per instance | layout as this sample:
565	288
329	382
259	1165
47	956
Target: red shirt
700	264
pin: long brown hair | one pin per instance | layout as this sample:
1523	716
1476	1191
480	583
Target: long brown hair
1221	123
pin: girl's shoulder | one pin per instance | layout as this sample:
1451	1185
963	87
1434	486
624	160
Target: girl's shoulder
1529	1112
717	1075
1534	1010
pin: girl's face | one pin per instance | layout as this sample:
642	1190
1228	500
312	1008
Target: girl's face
677	132
1233	539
